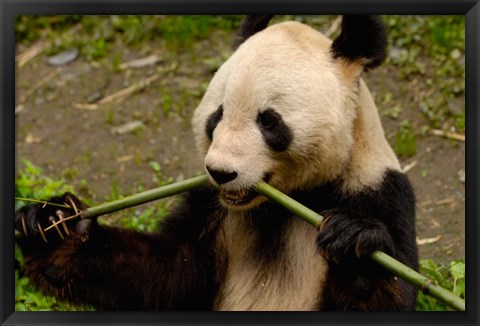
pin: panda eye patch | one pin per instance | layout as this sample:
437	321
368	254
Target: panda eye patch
275	132
268	119
213	121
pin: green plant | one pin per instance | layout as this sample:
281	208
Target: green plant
160	179
449	276
32	183
429	52
405	141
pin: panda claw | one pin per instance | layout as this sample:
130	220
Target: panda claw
24	225
71	203
55	224
61	217
40	230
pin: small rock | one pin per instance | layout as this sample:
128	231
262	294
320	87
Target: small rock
92	98
180	177
398	54
19	108
63	58
52	96
455	54
461	176
31	139
456	106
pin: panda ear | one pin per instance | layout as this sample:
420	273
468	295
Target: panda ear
362	41
251	25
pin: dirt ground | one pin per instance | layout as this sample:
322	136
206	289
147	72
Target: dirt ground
80	144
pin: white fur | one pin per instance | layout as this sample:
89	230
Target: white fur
279	286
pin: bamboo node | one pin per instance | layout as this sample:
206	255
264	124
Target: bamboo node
425	285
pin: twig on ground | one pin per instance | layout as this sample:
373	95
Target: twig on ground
423	241
118	96
447	134
24	57
439	202
139	63
409	166
39	84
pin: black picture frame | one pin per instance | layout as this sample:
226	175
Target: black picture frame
10	8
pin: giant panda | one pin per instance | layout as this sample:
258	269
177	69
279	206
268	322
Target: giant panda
288	107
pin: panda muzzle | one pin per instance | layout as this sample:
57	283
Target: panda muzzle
236	198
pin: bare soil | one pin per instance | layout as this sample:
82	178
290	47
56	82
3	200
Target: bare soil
82	145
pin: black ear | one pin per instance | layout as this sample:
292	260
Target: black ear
251	25
362	38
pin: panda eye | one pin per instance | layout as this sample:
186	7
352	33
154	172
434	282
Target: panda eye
274	130
268	119
213	121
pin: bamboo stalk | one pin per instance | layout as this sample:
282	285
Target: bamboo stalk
424	283
396	267
127	202
146	196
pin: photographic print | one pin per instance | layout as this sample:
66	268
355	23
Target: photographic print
192	162
359	118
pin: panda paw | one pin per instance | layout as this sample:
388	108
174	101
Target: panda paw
346	236
49	223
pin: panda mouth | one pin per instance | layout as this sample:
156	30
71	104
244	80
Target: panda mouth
241	197
238	198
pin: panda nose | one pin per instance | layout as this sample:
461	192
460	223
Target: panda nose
221	177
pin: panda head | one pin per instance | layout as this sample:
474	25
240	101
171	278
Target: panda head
281	108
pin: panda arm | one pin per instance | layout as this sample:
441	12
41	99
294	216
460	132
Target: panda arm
381	219
118	269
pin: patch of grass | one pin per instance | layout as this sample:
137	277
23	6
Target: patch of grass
159	178
450	276
30	28
99	33
32	183
430	53
166	102
405	141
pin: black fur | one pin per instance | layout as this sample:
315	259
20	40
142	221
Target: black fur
382	219
213	121
251	25
362	37
274	130
119	269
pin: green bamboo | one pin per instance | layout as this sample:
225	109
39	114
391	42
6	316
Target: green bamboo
424	283
146	196
396	267
137	199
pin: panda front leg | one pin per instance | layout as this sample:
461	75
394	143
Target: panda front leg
354	281
112	268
